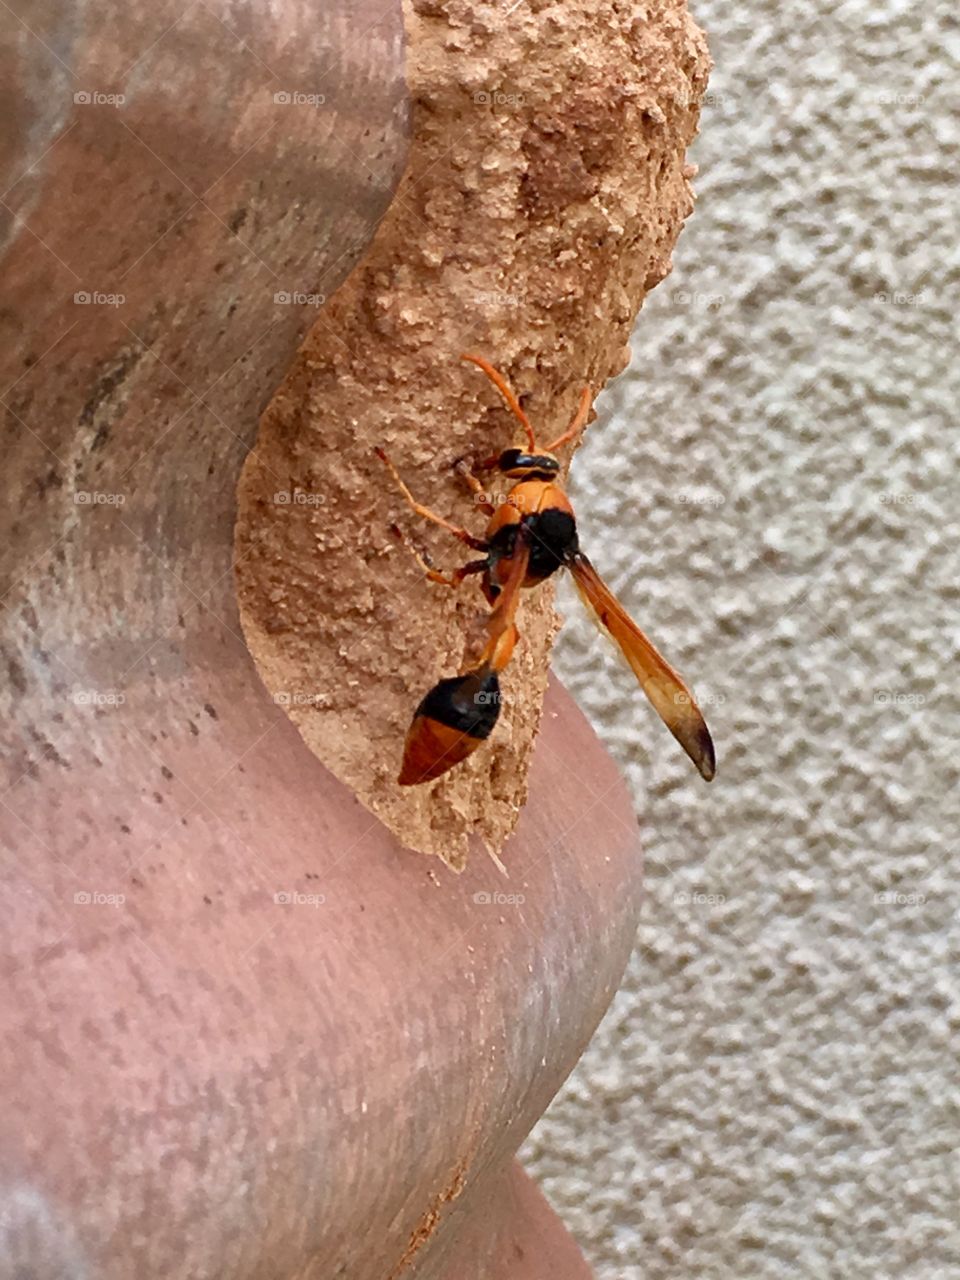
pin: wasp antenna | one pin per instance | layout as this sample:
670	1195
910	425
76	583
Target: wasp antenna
513	403
578	423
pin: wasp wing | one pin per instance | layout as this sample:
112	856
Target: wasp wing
672	700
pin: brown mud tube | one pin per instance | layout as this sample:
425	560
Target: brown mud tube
546	187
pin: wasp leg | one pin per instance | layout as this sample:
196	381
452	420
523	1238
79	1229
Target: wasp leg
475	487
578	423
464	535
445	579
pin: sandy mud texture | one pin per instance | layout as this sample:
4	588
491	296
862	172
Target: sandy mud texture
546	187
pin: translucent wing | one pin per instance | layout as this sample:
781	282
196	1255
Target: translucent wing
672	700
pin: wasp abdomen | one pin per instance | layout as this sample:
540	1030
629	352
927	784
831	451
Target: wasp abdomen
470	704
454	718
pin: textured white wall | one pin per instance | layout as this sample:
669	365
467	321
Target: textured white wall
772	488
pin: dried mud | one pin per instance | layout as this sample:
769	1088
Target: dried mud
546	187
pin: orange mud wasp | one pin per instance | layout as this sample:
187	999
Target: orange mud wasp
530	535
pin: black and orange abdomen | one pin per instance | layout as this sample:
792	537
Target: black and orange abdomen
456	716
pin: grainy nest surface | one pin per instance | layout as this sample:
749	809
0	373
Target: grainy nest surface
546	188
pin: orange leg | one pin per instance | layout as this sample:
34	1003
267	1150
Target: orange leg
463	534
445	579
476	488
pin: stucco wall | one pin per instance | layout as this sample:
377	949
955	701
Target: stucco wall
775	1090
